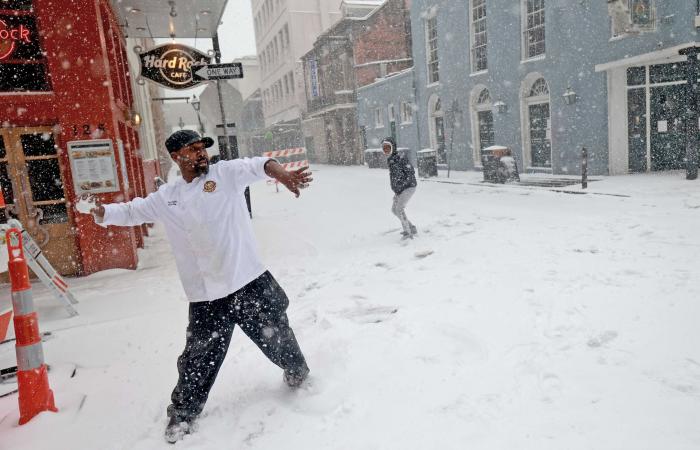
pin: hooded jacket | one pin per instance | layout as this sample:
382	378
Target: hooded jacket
401	172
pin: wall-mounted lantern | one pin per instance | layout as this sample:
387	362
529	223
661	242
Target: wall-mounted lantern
569	96
500	106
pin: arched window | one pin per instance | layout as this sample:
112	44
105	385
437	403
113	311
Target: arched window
539	88
484	98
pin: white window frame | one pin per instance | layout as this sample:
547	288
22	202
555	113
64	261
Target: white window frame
406	113
378	118
525	30
433	76
432	115
473	7
477	107
526	101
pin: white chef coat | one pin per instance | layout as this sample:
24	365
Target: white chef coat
208	226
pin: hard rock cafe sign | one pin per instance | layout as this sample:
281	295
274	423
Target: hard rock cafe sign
11	37
170	65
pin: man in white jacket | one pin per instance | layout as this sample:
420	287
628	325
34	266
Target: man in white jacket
211	235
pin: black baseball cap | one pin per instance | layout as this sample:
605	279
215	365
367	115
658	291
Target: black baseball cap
183	138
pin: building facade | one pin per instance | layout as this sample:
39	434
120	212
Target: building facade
549	77
284	31
387	107
64	80
371	41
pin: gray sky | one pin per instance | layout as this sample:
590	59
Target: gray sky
237	35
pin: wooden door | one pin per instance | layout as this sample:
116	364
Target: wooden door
34	191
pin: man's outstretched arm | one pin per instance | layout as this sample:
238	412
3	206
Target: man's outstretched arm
135	212
294	180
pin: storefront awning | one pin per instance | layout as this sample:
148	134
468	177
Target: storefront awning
169	18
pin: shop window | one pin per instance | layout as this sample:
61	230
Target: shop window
45	176
16	5
667	73
38	145
636	76
22	62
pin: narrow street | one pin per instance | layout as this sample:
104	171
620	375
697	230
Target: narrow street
518	318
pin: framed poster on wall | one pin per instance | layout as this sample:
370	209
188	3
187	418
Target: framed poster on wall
93	166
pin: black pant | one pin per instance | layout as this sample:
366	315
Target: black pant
259	309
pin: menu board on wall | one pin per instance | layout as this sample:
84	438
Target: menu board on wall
93	166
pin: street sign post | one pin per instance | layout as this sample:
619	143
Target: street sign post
218	71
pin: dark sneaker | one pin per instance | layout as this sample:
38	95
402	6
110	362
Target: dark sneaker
414	230
294	379
405	236
177	429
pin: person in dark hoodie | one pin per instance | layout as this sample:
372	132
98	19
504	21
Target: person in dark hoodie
403	183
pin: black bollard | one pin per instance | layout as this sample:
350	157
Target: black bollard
584	168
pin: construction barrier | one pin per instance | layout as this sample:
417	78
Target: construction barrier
285	153
35	395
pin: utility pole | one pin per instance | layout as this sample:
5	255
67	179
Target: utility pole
691	112
228	152
217	56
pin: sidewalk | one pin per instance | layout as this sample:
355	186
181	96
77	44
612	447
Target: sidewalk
656	184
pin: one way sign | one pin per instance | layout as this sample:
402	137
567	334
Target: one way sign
218	71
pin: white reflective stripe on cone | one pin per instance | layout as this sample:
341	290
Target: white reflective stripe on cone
30	357
23	302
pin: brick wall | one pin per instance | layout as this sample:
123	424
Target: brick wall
386	36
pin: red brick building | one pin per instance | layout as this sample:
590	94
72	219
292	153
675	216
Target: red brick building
353	53
64	78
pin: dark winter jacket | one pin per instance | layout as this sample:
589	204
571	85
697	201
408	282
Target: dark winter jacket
401	173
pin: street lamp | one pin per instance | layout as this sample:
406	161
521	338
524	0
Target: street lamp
500	106
569	96
197	105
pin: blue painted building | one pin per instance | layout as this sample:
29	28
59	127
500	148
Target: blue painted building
387	108
548	77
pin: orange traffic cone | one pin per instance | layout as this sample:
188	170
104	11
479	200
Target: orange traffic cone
35	395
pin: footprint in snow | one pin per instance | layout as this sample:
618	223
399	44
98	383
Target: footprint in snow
602	339
550	386
423	254
372	314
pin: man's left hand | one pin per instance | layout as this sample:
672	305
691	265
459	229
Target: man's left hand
297	180
294	180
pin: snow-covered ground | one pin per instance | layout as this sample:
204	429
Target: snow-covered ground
520	318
